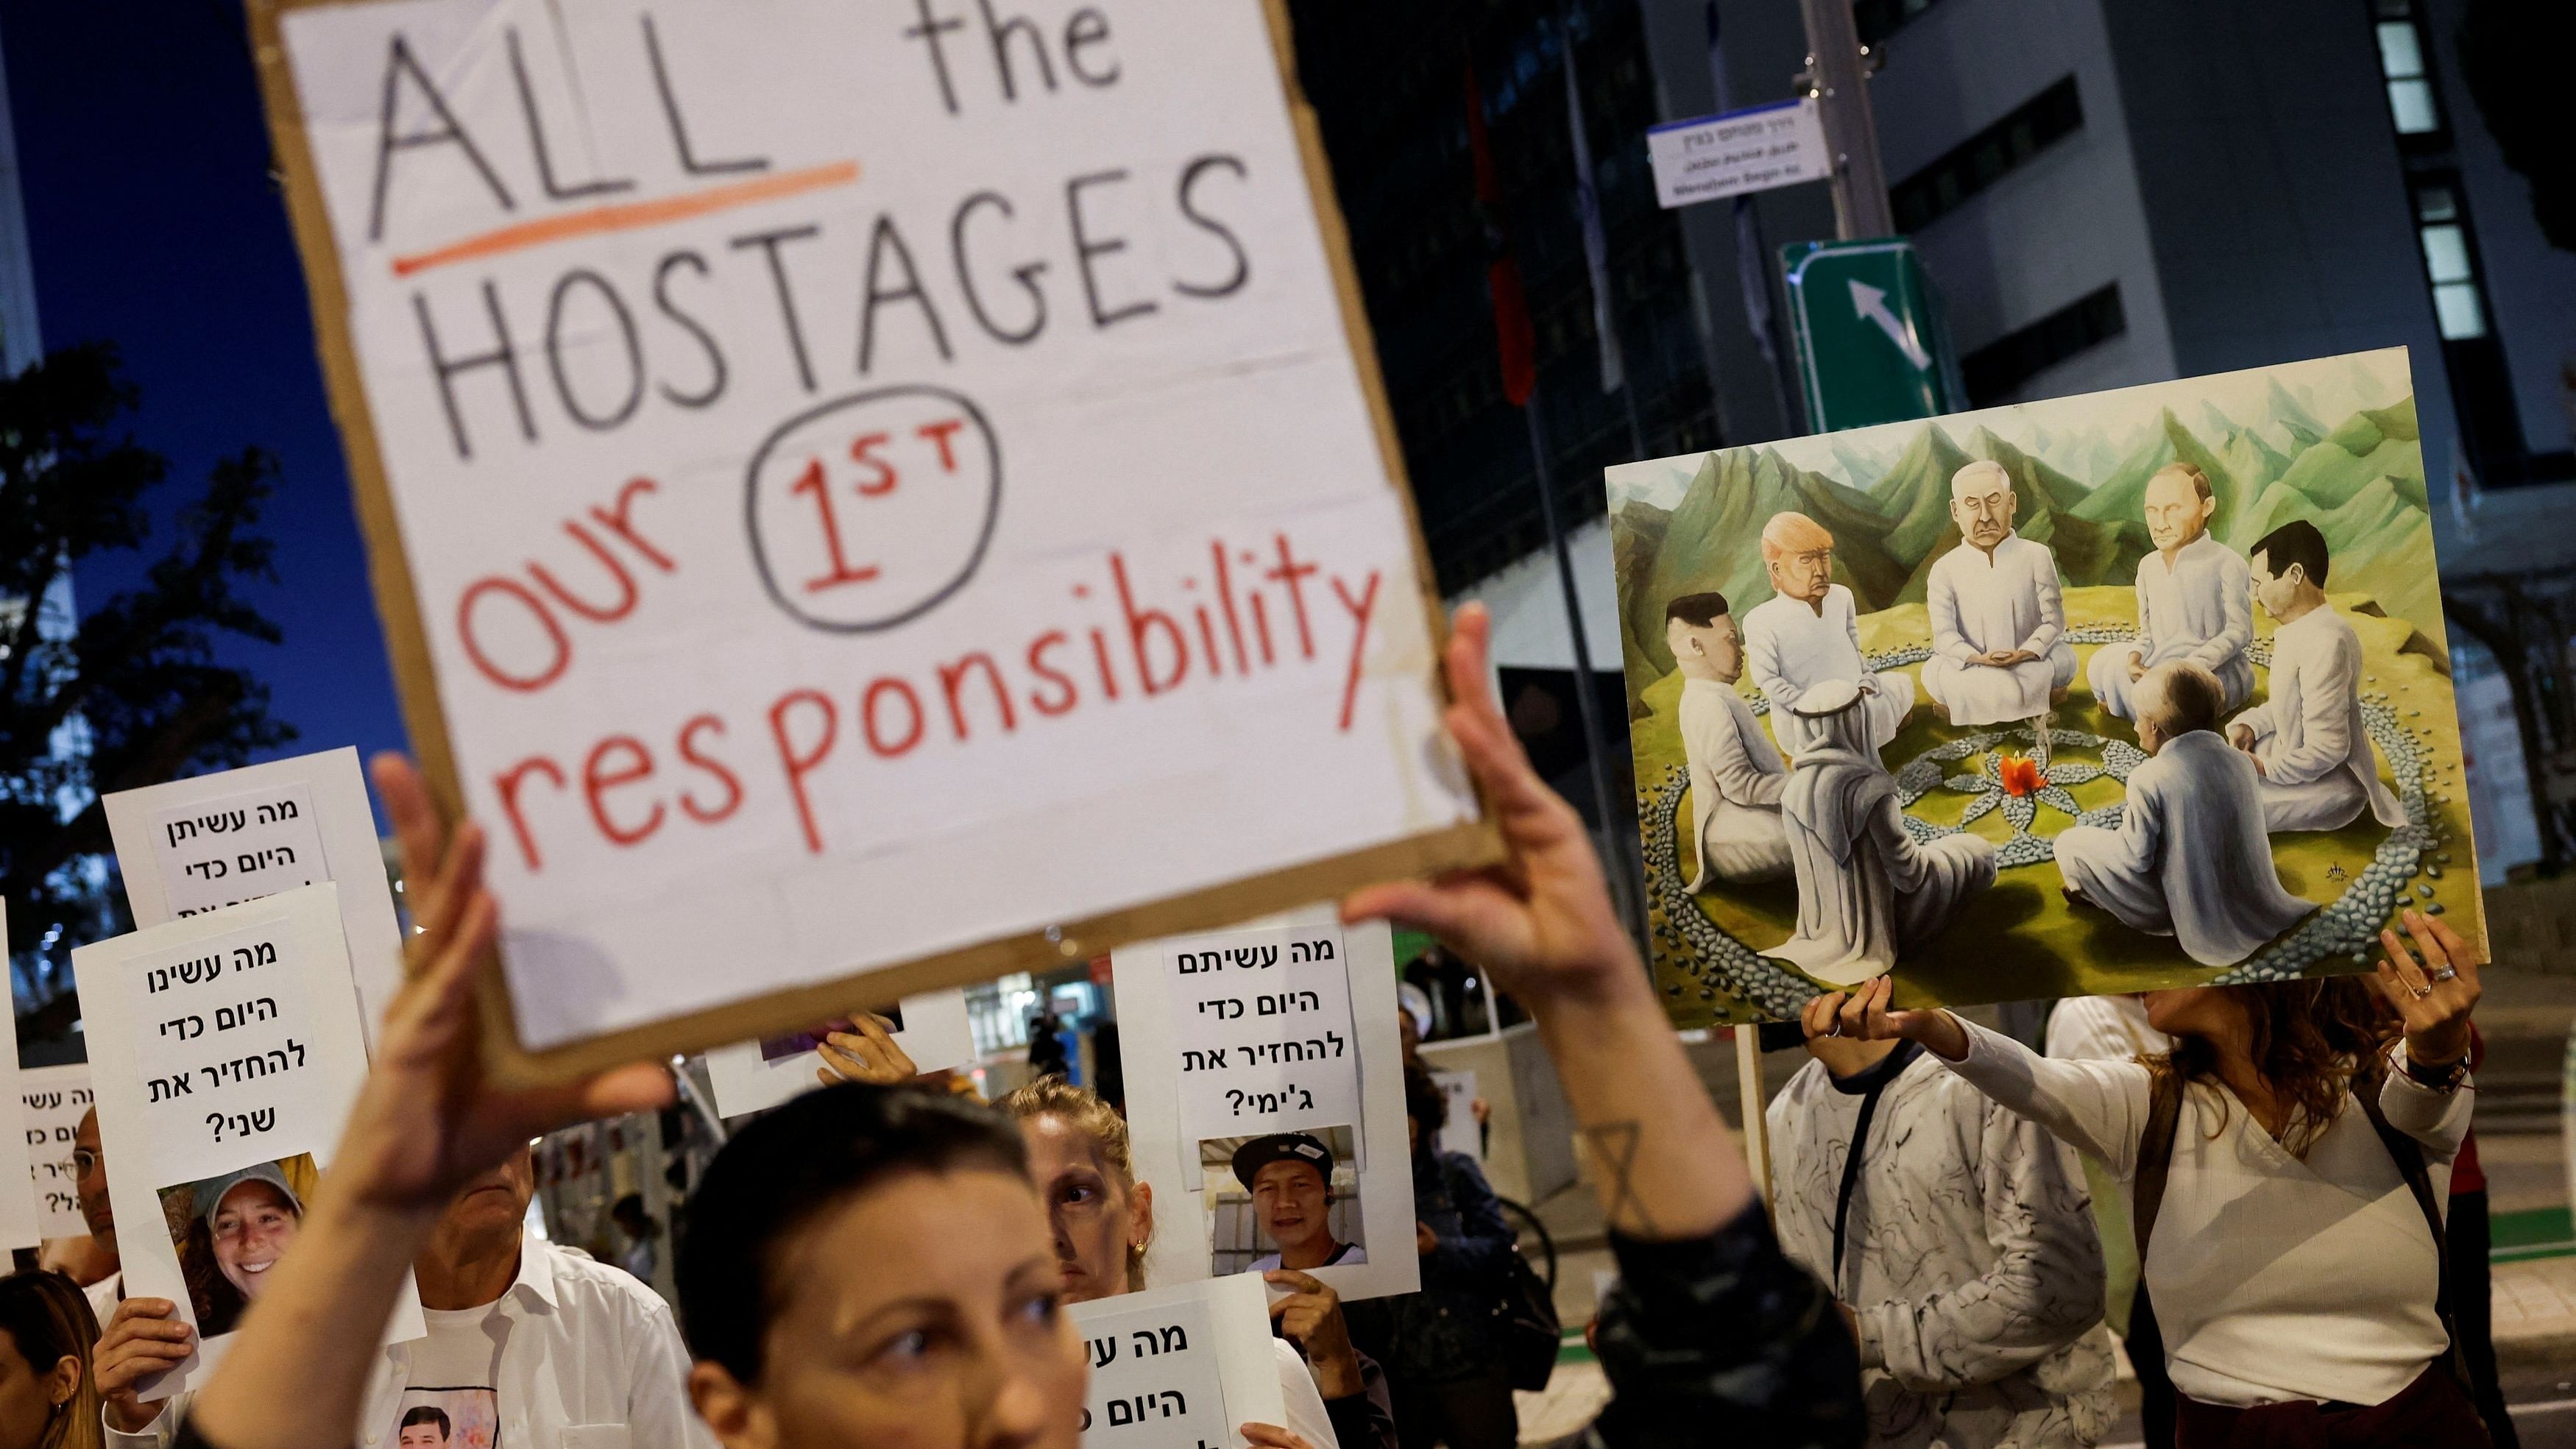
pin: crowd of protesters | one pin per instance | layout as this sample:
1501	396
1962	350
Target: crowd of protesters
2248	1184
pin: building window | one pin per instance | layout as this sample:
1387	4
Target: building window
2411	102
1878	19
2459	306
1997	370
1984	158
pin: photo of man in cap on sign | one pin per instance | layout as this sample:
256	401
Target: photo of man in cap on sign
1289	1176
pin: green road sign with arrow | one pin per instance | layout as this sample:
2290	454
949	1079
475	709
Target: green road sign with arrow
1872	344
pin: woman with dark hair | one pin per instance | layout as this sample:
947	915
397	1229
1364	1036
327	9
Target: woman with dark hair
2288	1160
46	1333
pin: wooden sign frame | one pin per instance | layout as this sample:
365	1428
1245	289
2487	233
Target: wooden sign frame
1465	845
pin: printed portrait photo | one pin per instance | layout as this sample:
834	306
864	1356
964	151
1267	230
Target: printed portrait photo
466	1417
1287	1199
231	1230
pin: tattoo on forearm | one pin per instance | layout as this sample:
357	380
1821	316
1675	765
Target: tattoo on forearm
1613	1146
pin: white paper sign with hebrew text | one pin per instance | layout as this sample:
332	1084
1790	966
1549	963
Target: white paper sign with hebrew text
222	1043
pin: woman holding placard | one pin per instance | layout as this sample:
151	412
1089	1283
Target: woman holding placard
2281	1107
1711	1325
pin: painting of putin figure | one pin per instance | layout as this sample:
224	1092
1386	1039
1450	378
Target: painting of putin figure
2108	693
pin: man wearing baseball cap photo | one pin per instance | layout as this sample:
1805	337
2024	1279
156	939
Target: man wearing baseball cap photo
1290	1177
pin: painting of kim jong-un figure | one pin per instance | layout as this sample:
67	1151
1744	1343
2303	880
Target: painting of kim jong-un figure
2099	694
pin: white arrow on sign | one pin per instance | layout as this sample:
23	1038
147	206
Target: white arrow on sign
1871	303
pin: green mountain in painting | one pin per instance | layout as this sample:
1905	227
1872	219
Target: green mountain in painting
1714	541
2361	482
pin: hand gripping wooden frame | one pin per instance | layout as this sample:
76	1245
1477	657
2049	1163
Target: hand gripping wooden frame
507	1059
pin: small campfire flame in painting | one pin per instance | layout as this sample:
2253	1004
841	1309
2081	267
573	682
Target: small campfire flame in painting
2019	775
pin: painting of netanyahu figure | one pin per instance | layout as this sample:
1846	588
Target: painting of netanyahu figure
2195	598
1736	772
1999	649
2307	740
2190	858
1808	633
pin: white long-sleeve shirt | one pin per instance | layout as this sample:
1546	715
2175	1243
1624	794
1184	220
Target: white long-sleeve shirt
1982	602
2310	729
1969	1260
2275	1277
2200	608
580	1354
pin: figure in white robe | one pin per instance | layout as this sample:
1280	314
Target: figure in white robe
2195	599
2190	858
1736	777
1868	892
2307	738
1795	646
1987	606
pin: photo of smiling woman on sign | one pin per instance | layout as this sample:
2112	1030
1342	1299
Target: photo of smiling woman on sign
230	1232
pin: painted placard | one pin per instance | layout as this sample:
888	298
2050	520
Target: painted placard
210	841
1325	1184
225	1051
54	1100
2101	694
1178	1368
753	1076
1264	1025
829	471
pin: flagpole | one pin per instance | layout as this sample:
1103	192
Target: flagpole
1587	708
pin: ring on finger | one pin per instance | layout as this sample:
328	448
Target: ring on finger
2421	991
2447	973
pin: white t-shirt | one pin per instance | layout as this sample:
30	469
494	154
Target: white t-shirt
1344	1256
1304	1402
574	1355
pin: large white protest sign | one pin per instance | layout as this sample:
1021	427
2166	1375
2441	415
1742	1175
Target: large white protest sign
210	841
753	1076
1179	1368
1263	1019
55	1099
1190	1132
225	1051
861	489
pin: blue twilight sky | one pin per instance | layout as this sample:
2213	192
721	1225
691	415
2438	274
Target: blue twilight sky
153	224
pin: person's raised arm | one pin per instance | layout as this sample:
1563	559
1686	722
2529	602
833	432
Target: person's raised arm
1710	1323
424	1123
2095	1107
1542	923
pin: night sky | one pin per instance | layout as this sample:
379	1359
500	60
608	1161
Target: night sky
154	225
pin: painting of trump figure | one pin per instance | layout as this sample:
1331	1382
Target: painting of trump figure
2190	858
1999	649
1808	633
2307	740
2195	598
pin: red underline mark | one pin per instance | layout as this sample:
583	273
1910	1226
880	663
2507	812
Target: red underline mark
629	215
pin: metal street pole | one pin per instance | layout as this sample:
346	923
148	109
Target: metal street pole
1596	744
1839	76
